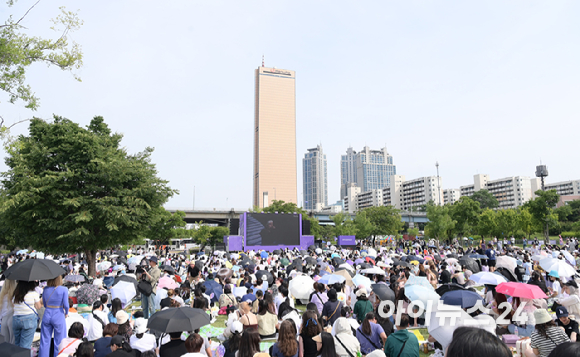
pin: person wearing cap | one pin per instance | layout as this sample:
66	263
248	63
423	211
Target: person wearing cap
233	343
142	340
120	347
572	301
152	276
362	306
547	334
553	284
570	326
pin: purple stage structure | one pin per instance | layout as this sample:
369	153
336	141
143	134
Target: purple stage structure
347	241
239	242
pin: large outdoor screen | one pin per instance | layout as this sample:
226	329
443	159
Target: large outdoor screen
270	229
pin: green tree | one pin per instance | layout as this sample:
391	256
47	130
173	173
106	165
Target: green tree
564	213
206	235
385	220
541	209
364	226
575	206
343	225
525	221
485	199
289	207
413	232
19	50
71	189
165	225
466	213
440	222
507	222
487	225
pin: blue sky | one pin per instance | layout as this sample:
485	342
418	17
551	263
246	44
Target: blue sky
482	87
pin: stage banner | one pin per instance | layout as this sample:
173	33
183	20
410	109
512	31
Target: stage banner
347	241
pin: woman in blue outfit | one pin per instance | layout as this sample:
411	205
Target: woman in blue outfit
25	319
55	300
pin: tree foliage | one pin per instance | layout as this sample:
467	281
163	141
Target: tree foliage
465	212
69	189
209	235
485	199
542	211
385	220
487	225
19	50
440	222
165	225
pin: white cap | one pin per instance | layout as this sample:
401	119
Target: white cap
236	326
140	325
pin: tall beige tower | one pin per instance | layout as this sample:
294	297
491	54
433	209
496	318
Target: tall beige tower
274	136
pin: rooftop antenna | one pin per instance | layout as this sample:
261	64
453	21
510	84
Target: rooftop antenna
262	60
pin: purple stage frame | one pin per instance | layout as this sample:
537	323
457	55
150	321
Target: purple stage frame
346	241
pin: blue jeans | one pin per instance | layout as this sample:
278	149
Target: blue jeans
148	305
24	327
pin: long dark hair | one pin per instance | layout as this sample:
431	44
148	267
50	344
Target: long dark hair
366	325
250	343
287	339
310	324
476	342
116	305
234	341
328	348
22	288
543	328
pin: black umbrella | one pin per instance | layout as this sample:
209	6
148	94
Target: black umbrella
34	269
470	263
10	350
127	279
336	261
199	264
410	258
167	268
506	273
365	265
312	247
297	262
401	263
449	287
177	319
277	251
121	253
265	275
123	260
453	255
437	257
311	261
383	292
304	252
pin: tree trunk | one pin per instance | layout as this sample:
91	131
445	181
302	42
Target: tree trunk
91	261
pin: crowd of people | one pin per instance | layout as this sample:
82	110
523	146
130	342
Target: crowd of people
306	303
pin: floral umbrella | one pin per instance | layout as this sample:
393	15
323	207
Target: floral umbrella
88	294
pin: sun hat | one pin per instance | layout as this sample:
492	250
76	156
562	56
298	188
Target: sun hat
140	325
153	259
361	292
555	274
561	311
122	317
542	316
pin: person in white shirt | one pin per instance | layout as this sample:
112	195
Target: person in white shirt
25	319
194	345
97	321
141	340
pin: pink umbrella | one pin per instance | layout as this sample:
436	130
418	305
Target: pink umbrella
521	290
167	282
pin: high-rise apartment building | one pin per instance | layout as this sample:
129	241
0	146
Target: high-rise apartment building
565	188
315	185
274	136
368	169
510	192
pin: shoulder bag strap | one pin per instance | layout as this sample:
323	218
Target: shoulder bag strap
67	346
49	296
33	310
343	346
99	319
402	348
337	305
371	341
